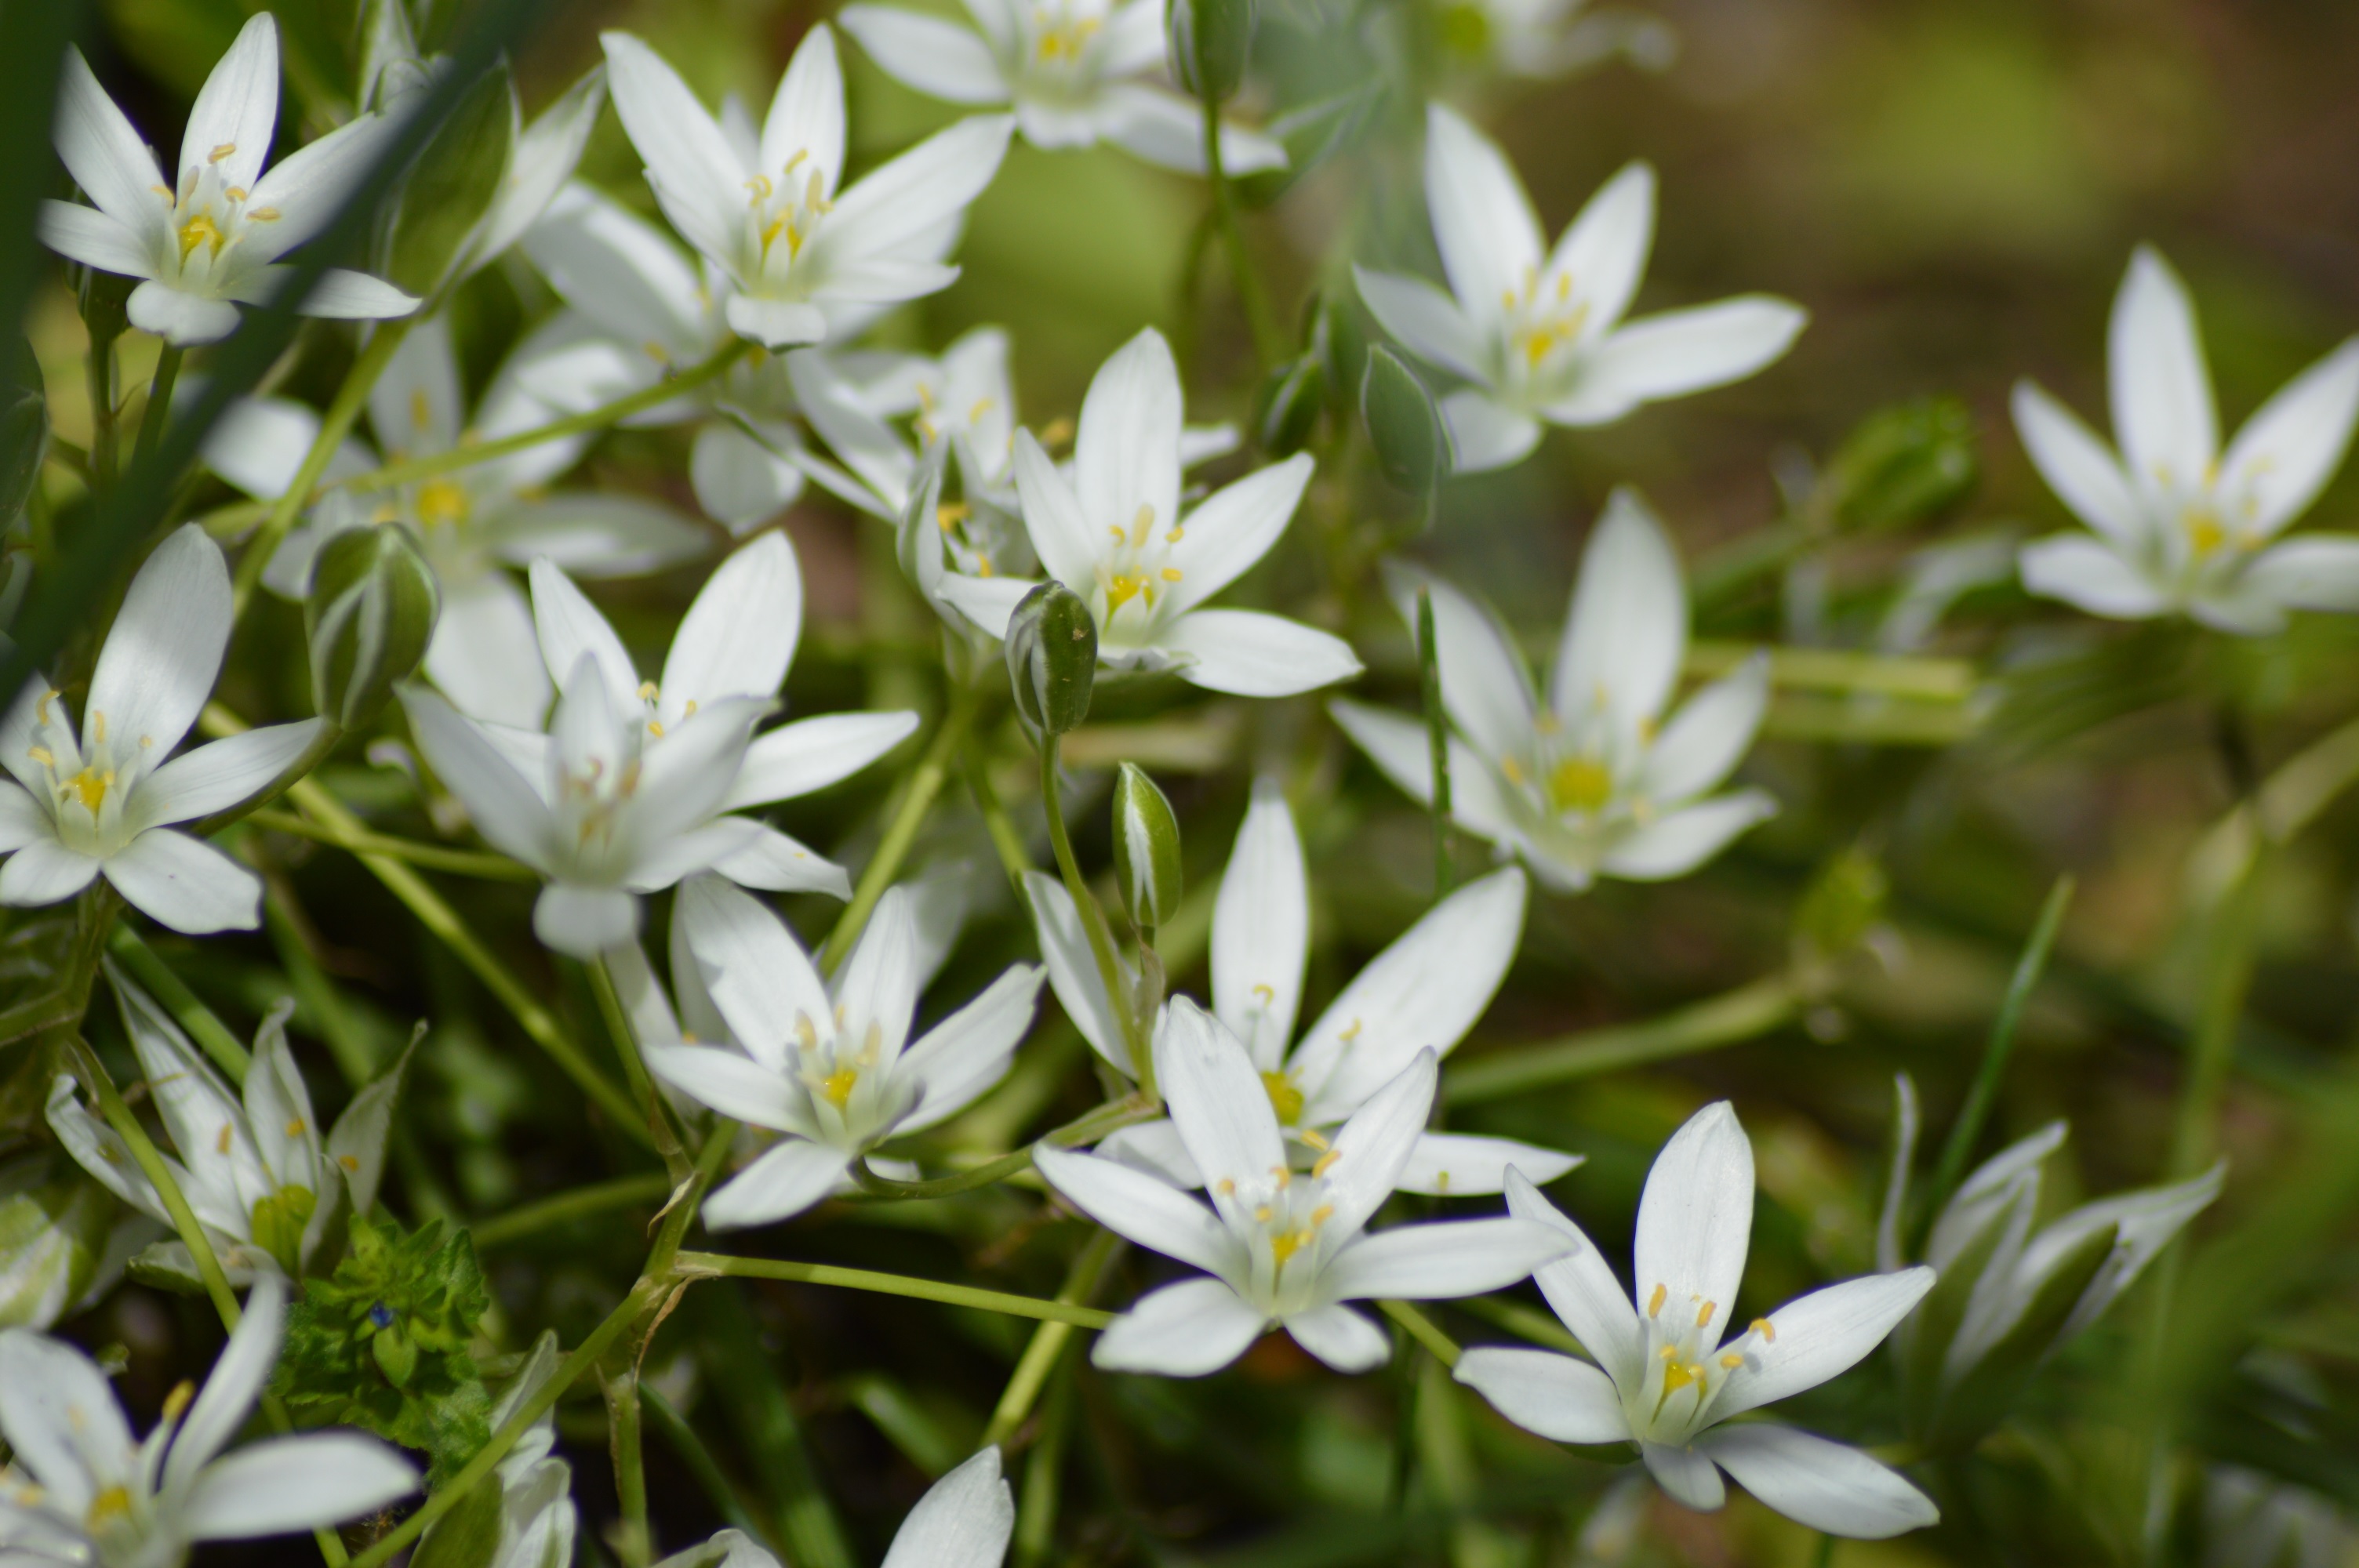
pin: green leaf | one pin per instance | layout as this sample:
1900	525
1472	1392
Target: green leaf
1923	1340
1986	1391
451	187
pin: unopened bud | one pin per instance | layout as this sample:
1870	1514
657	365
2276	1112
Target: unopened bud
1208	42
1286	405
1052	659
369	616
1413	448
1843	903
54	1223
1146	849
1905	464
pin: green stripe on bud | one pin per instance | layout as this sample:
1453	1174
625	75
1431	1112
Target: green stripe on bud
1146	849
370	613
1052	659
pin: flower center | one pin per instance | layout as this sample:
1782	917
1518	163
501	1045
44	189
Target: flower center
1541	317
1687	1365
208	219
784	213
1284	1097
88	783
109	1507
834	1064
1138	567
1579	784
442	502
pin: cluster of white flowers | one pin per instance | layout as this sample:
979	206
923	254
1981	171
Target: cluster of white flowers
1261	1157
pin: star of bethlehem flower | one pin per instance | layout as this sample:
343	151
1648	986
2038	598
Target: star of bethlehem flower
265	1178
1070	69
1540	40
81	1493
1596	780
1668	1373
207	241
774	213
1540	335
964	1520
1423	992
1277	1247
470	523
1114	534
632	786
537	1520
831	1068
102	801
2176	525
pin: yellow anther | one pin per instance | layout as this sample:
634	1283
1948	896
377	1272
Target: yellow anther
1284	1177
1441	1182
109	1505
236	193
296	1127
442	502
1262	1214
1732	1360
1667	1352
761	188
421	408
1703	1315
2204	532
1513	769
263	215
688	710
1122	589
221	1142
951	513
1316	1139
806	1033
98	727
220	152
1266	992
837	1086
1284	1097
163	190
1322	1214
1285	1245
1176	535
350	1162
200	230
42	755
1353	1033
176	1403
1579	784
1226	1186
981	407
1655	1305
1761	1326
983	565
1142	525
654	727
1119	536
1326	1162
1170	574
788	167
650	691
1057	432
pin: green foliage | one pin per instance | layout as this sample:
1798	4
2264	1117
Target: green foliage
1908	464
450	187
382	1344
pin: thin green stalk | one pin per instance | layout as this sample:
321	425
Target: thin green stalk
160	400
635	1544
1420	1327
1524	1323
1036	1510
714	1265
1963	1132
1747	1012
1437	737
634	1069
916	799
2228	978
1106	1119
679	1210
690	1451
1049	1340
195	1019
350	399
1093	923
624	1192
581	424
93	1075
429	857
1269	343
1014	855
99	375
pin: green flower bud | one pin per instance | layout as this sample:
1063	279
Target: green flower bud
369	616
1905	464
1842	905
1052	659
1146	849
1286	405
53	1232
427	226
1413	448
1208	42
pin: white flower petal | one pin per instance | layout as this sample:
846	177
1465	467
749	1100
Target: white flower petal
2082	572
506	809
232	1387
776	323
1483	683
583	923
181	320
56	1407
901	206
1248	654
1126	454
1827	1485
935	56
787	1180
1423	319
1676	353
595	535
2145	1223
1344	1339
1155	1148
1485	434
877	987
1396	744
1675	844
1604	250
1072	970
758	973
165	648
1261	929
740	482
1232	529
45	872
620	270
988	601
733	1084
1562	1398
1150	1212
230	125
259	445
105	154
178	881
486	655
2314	571
2286	453
1424	992
285	1484
1690	1480
88	235
571	629
1186	1330
1627	629
545	157
807	113
338	294
1443	1259
697	176
1364	1161
774	862
2161	388
739	636
1708	736
417	406
220	774
1821	1335
2077	466
1464	1165
963	1520
1695	1216
1223	1111
1482	221
310	185
969	1050
808	755
22	820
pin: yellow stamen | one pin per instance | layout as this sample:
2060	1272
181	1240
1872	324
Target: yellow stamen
951	513
442	500
1353	1033
1174	536
350	1162
200	230
1326	1162
422	409
1316	1139
1655	1306
1170	574
295	1127
837	1086
1732	1360
1226	1186
650	691
1703	1317
220	1144
42	755
1284	1097
109	1505
220	152
176	1403
1761	1326
92	786
262	215
1579	783
761	188
1142	525
654	727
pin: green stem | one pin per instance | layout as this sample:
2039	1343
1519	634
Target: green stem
99	372
1049	1340
1035	1512
916	799
681	1210
195	1019
2228	977
1269	343
1093	923
160	400
350	399
1525	1323
1420	1327
1015	856
690	1451
93	1075
714	1265
624	1192
1437	737
1983	1094
634	1069
597	419
633	1544
431	856
1747	1012
1089	1128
